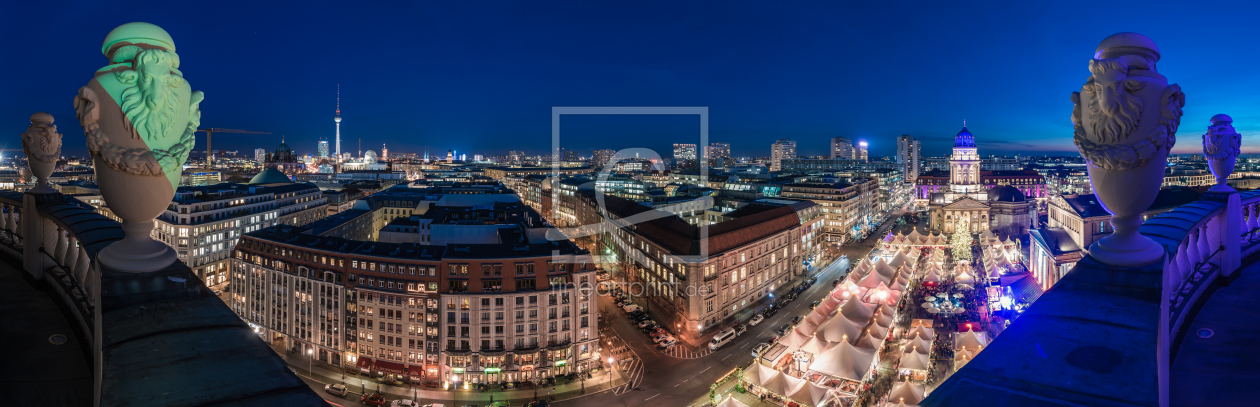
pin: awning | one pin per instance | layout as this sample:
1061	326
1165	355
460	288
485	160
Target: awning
415	372
389	367
364	363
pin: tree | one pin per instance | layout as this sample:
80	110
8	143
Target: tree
960	243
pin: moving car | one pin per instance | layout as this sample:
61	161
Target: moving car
783	330
722	338
760	348
374	399
756	319
338	389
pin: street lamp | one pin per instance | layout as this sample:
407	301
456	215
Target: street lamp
611	366
310	367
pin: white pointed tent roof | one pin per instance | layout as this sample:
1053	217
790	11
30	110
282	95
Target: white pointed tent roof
884	269
932	277
905	391
919	344
888	311
819	315
915	236
994	273
914	361
987	237
868	342
856	311
872	280
759	374
794	339
883	320
839	329
806	327
877	331
964	278
782	384
810	394
731	402
816	345
971	340
924	332
844	361
899	260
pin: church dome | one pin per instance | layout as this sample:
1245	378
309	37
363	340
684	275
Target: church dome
1006	193
964	139
283	148
369	157
271	176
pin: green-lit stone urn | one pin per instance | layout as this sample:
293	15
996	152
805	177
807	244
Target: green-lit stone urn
139	115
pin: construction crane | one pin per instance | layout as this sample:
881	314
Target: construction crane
210	132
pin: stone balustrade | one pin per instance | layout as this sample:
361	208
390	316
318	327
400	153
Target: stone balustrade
159	338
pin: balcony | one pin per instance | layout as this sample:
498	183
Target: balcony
136	327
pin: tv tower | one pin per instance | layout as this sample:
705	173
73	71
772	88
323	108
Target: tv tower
338	120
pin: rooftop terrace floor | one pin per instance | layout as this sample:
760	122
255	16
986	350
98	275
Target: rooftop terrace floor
38	372
1223	369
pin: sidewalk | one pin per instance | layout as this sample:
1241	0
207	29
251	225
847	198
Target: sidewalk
326	374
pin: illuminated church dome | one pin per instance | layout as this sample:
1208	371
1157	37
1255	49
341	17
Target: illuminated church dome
369	157
964	139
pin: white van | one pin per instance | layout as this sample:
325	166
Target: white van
631	308
722	338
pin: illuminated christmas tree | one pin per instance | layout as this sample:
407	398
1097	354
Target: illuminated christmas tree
960	243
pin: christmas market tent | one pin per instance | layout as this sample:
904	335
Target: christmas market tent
759	374
914	237
970	340
913	361
909	392
844	361
899	260
782	384
899	403
932	277
810	394
887	311
872	280
877	331
923	331
883	320
919	344
867	341
856	311
819	315
839	329
731	402
964	278
886	271
794	339
807	327
816	345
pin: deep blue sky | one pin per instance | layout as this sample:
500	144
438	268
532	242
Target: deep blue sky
481	77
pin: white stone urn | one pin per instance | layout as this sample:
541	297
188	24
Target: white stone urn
42	144
1220	146
1125	120
139	115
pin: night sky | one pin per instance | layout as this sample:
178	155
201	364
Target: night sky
481	77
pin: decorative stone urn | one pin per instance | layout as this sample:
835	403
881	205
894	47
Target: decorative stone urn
1220	146
1125	120
42	144
139	116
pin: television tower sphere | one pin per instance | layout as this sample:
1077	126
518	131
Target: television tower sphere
337	119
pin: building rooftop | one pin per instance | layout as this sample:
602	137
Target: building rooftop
1088	205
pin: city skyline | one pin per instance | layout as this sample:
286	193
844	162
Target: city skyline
765	73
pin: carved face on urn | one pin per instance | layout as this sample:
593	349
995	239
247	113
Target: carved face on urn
1221	141
41	141
1125	96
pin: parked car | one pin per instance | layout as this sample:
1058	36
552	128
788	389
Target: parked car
632	308
769	312
814	304
835	283
374	399
338	389
756	319
663	338
797	319
646	323
740	329
667	344
641	317
404	403
812	280
760	348
783	330
657	331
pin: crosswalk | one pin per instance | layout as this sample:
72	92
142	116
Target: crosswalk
632	369
681	351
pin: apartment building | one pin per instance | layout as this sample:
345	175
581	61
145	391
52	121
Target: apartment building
847	208
494	302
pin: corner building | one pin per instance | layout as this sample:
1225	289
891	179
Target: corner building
495	302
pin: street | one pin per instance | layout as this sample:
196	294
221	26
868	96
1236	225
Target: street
682	377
